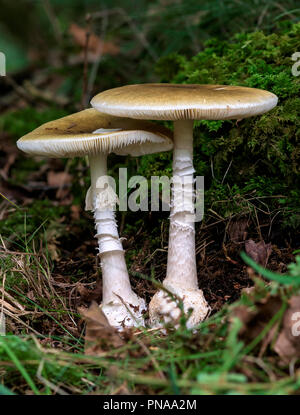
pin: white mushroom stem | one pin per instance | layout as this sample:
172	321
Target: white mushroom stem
181	267
181	276
126	311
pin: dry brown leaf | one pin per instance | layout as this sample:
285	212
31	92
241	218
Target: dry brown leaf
237	230
259	251
255	320
95	44
54	252
75	212
100	336
31	295
62	181
88	295
58	179
288	342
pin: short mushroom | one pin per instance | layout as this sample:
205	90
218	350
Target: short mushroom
183	104
89	133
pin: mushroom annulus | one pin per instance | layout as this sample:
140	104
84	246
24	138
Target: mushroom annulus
89	133
182	104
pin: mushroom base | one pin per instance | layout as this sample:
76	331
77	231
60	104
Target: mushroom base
121	306
165	309
125	314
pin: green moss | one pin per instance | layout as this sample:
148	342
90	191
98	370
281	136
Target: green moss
263	152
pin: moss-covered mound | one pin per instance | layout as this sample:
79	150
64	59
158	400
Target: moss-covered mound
257	157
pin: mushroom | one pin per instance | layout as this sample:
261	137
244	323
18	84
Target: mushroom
89	133
182	104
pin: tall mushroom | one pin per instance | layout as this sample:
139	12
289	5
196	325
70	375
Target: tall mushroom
89	133
183	104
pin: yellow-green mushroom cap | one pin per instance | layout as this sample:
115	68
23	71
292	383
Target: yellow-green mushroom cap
184	102
89	132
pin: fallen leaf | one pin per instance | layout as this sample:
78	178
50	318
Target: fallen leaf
87	296
237	230
100	336
75	212
255	320
31	295
259	251
95	44
54	252
60	180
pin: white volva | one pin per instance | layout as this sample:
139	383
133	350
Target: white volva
120	304
181	277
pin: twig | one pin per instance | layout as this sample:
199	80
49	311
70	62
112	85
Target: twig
152	358
285	12
262	15
53	20
85	62
2	315
212	169
227	171
46	382
271	223
96	64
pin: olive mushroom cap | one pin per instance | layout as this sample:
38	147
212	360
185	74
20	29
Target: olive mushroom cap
89	132
184	102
